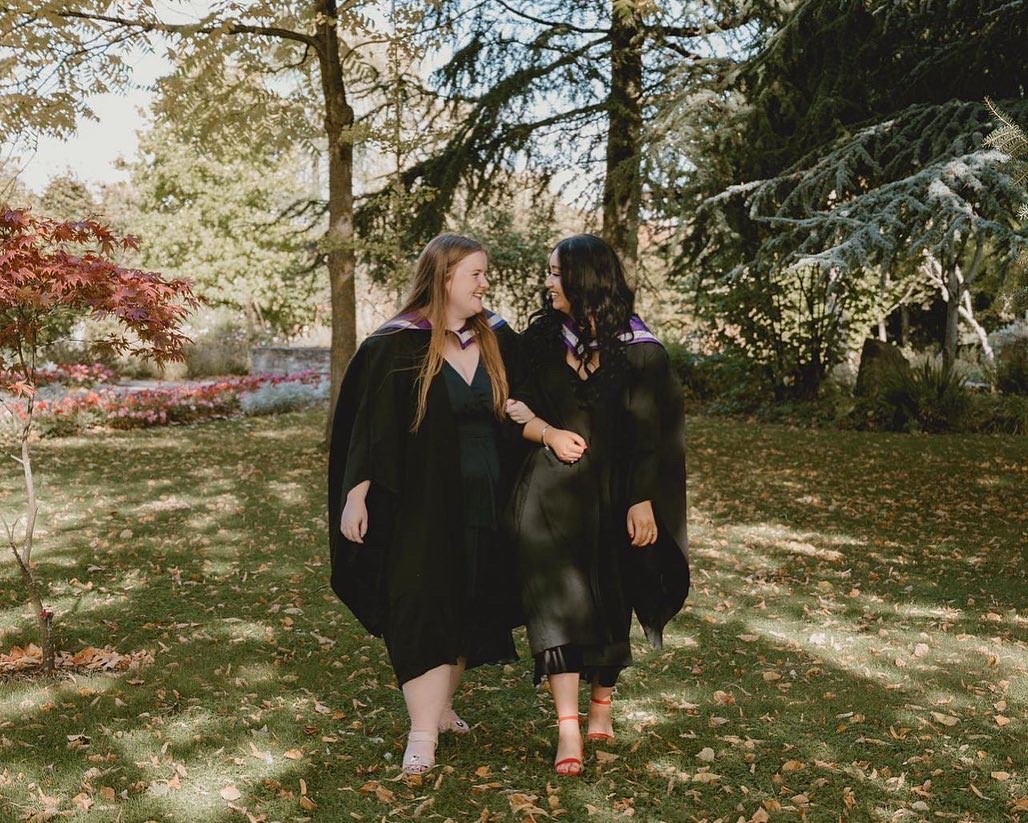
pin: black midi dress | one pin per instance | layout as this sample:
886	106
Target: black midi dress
581	579
488	638
433	576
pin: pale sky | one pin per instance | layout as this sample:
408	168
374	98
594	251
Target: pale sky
91	152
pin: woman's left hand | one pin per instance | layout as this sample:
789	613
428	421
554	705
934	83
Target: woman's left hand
642	525
518	411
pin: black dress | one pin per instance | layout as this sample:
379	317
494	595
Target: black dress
581	578
431	577
488	637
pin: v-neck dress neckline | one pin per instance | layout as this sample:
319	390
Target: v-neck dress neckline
457	371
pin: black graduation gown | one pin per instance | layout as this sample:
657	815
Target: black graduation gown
581	578
408	581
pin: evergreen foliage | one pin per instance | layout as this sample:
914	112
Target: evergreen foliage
848	175
561	88
1010	139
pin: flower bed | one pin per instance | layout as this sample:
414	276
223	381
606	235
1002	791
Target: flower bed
109	407
75	375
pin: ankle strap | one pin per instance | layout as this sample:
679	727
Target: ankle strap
606	702
574	717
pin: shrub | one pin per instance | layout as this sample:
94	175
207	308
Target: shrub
221	346
928	399
69	416
722	383
274	398
1010	345
179	405
59	413
1012	368
999	414
687	365
1009	335
75	374
831	408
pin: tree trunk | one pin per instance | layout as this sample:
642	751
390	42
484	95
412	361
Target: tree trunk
883	332
44	617
339	238
966	308
24	558
952	333
958	292
622	186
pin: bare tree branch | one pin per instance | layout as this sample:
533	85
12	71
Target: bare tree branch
700	31
189	29
549	23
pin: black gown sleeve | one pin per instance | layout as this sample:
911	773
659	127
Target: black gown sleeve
644	400
513	446
657	577
365	445
374	447
518	371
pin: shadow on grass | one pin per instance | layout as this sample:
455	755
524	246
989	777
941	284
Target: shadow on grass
845	599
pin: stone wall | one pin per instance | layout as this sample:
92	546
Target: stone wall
289	359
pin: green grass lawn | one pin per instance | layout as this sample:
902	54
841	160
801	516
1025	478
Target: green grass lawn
855	646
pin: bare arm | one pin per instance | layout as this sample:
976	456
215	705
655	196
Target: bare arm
354	521
567	445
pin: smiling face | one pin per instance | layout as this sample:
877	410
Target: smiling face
554	287
466	286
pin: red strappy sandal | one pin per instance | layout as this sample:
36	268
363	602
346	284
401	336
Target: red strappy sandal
600	736
568	766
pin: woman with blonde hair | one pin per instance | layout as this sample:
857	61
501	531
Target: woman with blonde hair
417	482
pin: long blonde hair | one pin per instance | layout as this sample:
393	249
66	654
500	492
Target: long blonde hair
428	297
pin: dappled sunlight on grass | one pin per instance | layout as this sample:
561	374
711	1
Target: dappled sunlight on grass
778	683
25	696
910	659
287	494
192	781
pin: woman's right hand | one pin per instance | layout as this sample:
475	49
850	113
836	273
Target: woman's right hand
354	522
568	446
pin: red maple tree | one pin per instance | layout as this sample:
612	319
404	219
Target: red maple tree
53	273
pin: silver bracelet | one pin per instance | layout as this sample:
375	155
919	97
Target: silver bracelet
542	437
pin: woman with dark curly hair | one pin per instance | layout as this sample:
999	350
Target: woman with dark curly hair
598	511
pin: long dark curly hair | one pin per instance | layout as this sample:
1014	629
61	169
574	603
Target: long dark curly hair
593	280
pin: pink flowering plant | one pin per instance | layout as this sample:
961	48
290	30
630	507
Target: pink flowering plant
115	408
75	375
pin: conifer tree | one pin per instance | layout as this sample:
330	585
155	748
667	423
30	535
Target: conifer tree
1011	139
563	88
810	212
